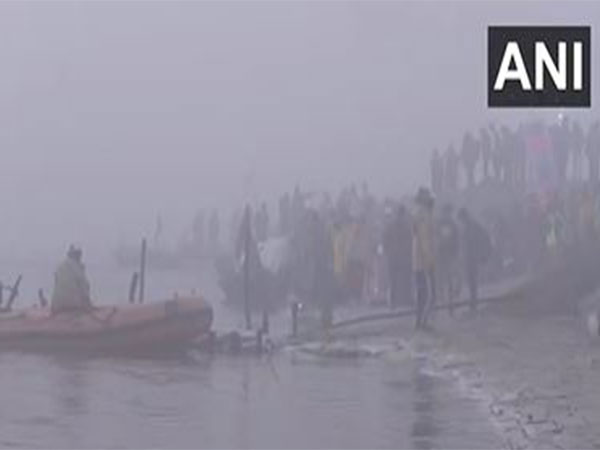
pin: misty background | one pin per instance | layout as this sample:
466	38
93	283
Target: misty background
112	113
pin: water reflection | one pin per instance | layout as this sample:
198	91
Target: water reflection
72	385
230	403
70	397
424	429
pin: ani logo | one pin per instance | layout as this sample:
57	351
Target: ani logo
539	66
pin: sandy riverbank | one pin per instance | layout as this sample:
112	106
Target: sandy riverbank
538	376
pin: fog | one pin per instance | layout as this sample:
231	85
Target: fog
114	112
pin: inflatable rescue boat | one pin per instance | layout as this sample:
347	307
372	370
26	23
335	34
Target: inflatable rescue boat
129	329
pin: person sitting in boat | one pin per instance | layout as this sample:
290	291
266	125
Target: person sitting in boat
71	286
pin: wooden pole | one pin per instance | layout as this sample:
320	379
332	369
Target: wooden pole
265	322
247	242
142	271
14	292
42	298
133	287
295	308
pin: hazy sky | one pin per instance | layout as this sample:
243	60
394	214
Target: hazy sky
113	111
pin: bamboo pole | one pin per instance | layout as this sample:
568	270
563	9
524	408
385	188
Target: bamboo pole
142	271
133	287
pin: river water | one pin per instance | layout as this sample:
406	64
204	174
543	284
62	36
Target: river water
287	400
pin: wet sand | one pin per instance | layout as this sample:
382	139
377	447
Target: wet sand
535	375
538	376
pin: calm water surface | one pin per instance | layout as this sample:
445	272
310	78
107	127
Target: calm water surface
287	401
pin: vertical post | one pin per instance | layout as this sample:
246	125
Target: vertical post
42	298
13	293
133	287
1	292
295	319
265	322
247	238
142	271
259	342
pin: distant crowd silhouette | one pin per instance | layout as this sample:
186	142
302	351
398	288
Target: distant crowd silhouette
508	202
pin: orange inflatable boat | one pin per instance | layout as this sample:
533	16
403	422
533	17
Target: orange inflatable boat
128	329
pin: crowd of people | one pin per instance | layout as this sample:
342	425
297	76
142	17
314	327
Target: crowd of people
511	201
534	152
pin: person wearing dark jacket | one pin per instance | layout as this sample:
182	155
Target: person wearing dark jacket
469	156
437	172
424	255
397	245
486	151
450	170
320	262
448	249
246	250
284	214
476	249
